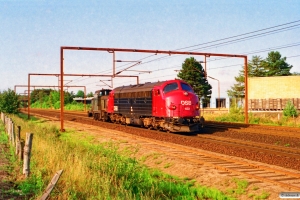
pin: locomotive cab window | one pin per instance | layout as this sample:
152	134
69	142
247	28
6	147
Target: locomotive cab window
170	87
186	87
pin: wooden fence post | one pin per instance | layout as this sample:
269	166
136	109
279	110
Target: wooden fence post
21	152
18	142
13	134
6	125
51	185
9	130
27	152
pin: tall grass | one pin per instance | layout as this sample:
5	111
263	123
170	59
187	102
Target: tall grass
77	106
94	170
237	115
70	106
3	137
38	104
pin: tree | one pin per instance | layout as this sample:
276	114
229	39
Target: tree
274	65
238	89
290	110
35	95
68	97
55	99
9	102
80	93
193	73
39	95
91	94
255	67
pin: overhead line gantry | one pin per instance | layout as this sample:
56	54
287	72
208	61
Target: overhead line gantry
113	50
66	86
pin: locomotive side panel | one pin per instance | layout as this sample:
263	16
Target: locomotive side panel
142	106
122	104
133	105
158	106
110	102
134	100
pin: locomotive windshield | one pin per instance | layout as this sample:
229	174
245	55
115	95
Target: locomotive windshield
186	87
170	87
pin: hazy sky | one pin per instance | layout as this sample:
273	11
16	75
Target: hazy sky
32	32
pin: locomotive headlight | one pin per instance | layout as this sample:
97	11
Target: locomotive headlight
197	107
185	93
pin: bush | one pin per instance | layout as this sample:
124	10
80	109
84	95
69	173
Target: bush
253	119
231	117
9	102
235	110
77	106
56	105
290	110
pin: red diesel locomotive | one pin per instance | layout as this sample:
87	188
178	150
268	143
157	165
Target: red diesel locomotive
168	105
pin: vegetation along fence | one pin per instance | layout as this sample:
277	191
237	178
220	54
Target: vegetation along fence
23	151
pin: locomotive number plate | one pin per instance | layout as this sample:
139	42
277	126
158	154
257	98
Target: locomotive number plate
186	103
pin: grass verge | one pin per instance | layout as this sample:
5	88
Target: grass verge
94	170
273	119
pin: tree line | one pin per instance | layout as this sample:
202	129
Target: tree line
10	102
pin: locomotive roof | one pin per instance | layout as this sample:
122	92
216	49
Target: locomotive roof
138	88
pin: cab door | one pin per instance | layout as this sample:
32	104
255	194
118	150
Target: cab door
158	108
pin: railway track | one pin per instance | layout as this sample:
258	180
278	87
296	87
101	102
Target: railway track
284	151
270	130
188	150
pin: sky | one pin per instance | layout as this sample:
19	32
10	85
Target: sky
32	32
